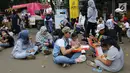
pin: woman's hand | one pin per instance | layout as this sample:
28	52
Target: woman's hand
96	45
46	44
29	51
102	57
93	38
77	46
32	50
98	58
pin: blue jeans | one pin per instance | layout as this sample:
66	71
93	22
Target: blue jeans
4	45
63	59
24	54
49	26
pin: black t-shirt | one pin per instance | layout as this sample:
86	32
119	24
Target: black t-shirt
15	18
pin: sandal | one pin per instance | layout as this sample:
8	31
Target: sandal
31	57
47	52
65	65
92	64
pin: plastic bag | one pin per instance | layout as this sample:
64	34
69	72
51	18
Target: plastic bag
81	19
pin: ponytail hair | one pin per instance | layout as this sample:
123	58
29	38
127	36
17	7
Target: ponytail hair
110	41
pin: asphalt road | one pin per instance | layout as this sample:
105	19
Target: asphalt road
44	64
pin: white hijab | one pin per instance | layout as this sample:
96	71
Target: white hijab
40	36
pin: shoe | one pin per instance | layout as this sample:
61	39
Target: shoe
31	57
81	59
65	65
47	52
92	64
120	42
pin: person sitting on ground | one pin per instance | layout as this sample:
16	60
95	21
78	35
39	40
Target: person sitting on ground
6	40
113	61
100	34
74	40
24	47
45	40
62	52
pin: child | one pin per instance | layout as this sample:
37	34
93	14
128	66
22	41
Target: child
6	40
75	40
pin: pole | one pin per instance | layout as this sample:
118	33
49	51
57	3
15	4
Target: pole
113	7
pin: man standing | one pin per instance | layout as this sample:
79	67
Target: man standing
15	22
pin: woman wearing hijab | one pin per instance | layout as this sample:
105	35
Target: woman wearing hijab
24	48
44	40
92	14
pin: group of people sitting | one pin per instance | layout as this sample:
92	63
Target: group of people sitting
6	38
25	48
108	54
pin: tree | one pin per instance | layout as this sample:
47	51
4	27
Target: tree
4	4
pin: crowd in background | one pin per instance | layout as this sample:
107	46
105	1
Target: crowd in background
97	33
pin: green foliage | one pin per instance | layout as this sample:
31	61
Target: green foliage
4	4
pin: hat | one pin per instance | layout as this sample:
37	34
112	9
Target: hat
66	29
118	10
100	27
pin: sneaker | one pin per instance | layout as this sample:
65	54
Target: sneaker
47	52
81	59
65	65
30	57
92	64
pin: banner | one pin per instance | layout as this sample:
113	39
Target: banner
74	8
123	6
61	14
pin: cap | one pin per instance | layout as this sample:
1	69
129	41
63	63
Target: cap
118	10
66	29
100	27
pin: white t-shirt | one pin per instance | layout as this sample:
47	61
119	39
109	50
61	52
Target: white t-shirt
110	24
117	58
58	44
126	25
62	42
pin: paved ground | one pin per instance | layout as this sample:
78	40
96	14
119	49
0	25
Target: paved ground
9	65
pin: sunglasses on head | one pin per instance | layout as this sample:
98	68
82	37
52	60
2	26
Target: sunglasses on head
68	32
